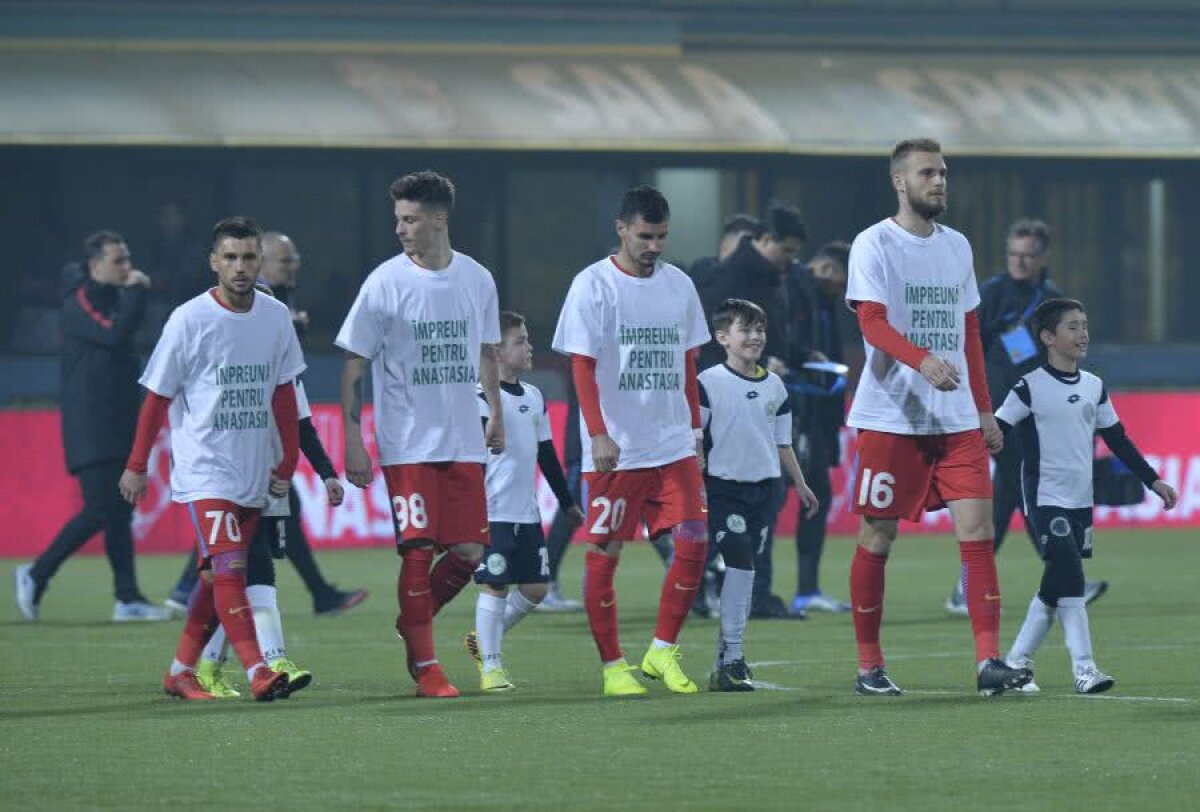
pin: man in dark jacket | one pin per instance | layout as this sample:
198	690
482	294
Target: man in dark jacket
101	311
820	421
1007	302
705	273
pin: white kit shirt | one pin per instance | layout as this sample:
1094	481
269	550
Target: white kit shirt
746	420
511	478
928	286
638	330
423	331
220	369
1058	443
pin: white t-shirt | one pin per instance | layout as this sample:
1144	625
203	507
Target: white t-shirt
638	330
220	369
1058	415
423	331
511	479
928	286
745	420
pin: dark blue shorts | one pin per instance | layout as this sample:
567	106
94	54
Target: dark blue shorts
1055	525
516	555
741	508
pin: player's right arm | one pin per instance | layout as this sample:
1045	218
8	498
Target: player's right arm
866	293
354	387
164	377
362	337
580	334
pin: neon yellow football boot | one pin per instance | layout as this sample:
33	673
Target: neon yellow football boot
213	679
620	681
494	681
298	678
663	663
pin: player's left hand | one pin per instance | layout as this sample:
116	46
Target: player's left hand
1166	493
334	491
992	435
132	486
808	499
279	487
493	435
575	516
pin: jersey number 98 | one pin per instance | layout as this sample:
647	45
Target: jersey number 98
410	511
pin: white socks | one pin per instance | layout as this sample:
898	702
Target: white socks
1038	621
516	608
735	612
268	626
1072	613
489	626
217	648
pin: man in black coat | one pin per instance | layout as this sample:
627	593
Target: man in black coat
1007	302
819	422
102	308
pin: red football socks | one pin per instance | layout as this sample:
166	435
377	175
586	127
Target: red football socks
600	599
448	577
866	595
233	607
982	591
414	590
201	623
679	588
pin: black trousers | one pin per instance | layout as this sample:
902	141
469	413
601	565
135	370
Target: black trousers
297	550
1006	489
558	540
103	509
810	533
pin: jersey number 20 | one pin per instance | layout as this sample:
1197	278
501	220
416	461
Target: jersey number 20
612	514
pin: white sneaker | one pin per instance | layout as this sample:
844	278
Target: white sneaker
555	602
1030	687
820	602
24	589
1091	680
175	607
956	604
132	611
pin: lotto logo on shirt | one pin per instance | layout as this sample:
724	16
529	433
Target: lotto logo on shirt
934	322
444	355
649	355
244	402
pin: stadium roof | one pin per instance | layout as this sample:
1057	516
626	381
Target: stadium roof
472	96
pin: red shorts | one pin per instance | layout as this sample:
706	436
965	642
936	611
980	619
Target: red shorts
222	526
900	476
662	497
442	502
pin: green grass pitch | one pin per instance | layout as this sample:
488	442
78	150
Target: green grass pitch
85	724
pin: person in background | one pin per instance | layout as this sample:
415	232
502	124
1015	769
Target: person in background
705	272
101	311
823	416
